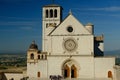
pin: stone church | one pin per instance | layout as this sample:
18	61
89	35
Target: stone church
69	50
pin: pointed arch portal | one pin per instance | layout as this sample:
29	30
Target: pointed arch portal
70	69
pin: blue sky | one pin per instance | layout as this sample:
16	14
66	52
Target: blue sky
21	20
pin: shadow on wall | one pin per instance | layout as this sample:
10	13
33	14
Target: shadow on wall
97	50
2	76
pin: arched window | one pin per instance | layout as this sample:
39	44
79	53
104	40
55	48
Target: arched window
110	74
38	74
51	13
45	56
42	57
73	72
32	56
70	69
38	56
46	13
55	13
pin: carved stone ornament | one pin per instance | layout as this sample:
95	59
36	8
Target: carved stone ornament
70	45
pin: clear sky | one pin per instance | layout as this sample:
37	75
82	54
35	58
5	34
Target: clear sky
21	21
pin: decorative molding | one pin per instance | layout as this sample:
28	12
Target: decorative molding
73	35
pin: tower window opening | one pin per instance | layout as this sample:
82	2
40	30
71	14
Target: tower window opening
38	56
45	56
42	57
46	13
51	13
55	13
47	25
32	56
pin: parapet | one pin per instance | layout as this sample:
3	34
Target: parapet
99	38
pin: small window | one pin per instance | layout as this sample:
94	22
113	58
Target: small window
51	13
38	56
55	13
38	74
32	56
110	74
42	57
69	29
47	25
46	13
45	56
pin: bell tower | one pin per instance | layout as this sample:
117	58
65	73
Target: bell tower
51	18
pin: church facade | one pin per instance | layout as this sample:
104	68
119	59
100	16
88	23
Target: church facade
69	49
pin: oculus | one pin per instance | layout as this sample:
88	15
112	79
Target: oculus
70	29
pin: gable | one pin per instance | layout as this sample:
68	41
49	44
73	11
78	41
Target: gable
70	26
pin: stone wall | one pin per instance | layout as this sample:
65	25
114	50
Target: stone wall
14	76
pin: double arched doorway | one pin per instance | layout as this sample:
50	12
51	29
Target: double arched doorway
70	69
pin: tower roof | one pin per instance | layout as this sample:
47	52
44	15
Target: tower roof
33	46
52	5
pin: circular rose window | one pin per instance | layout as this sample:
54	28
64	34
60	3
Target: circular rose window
70	45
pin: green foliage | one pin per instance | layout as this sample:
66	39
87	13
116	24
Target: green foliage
3	67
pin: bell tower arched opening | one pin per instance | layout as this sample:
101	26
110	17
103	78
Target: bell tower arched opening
46	13
51	13
55	13
32	56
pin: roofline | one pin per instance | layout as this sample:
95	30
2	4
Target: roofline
63	21
59	24
52	5
11	72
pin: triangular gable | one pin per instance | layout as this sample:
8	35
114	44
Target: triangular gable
78	28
